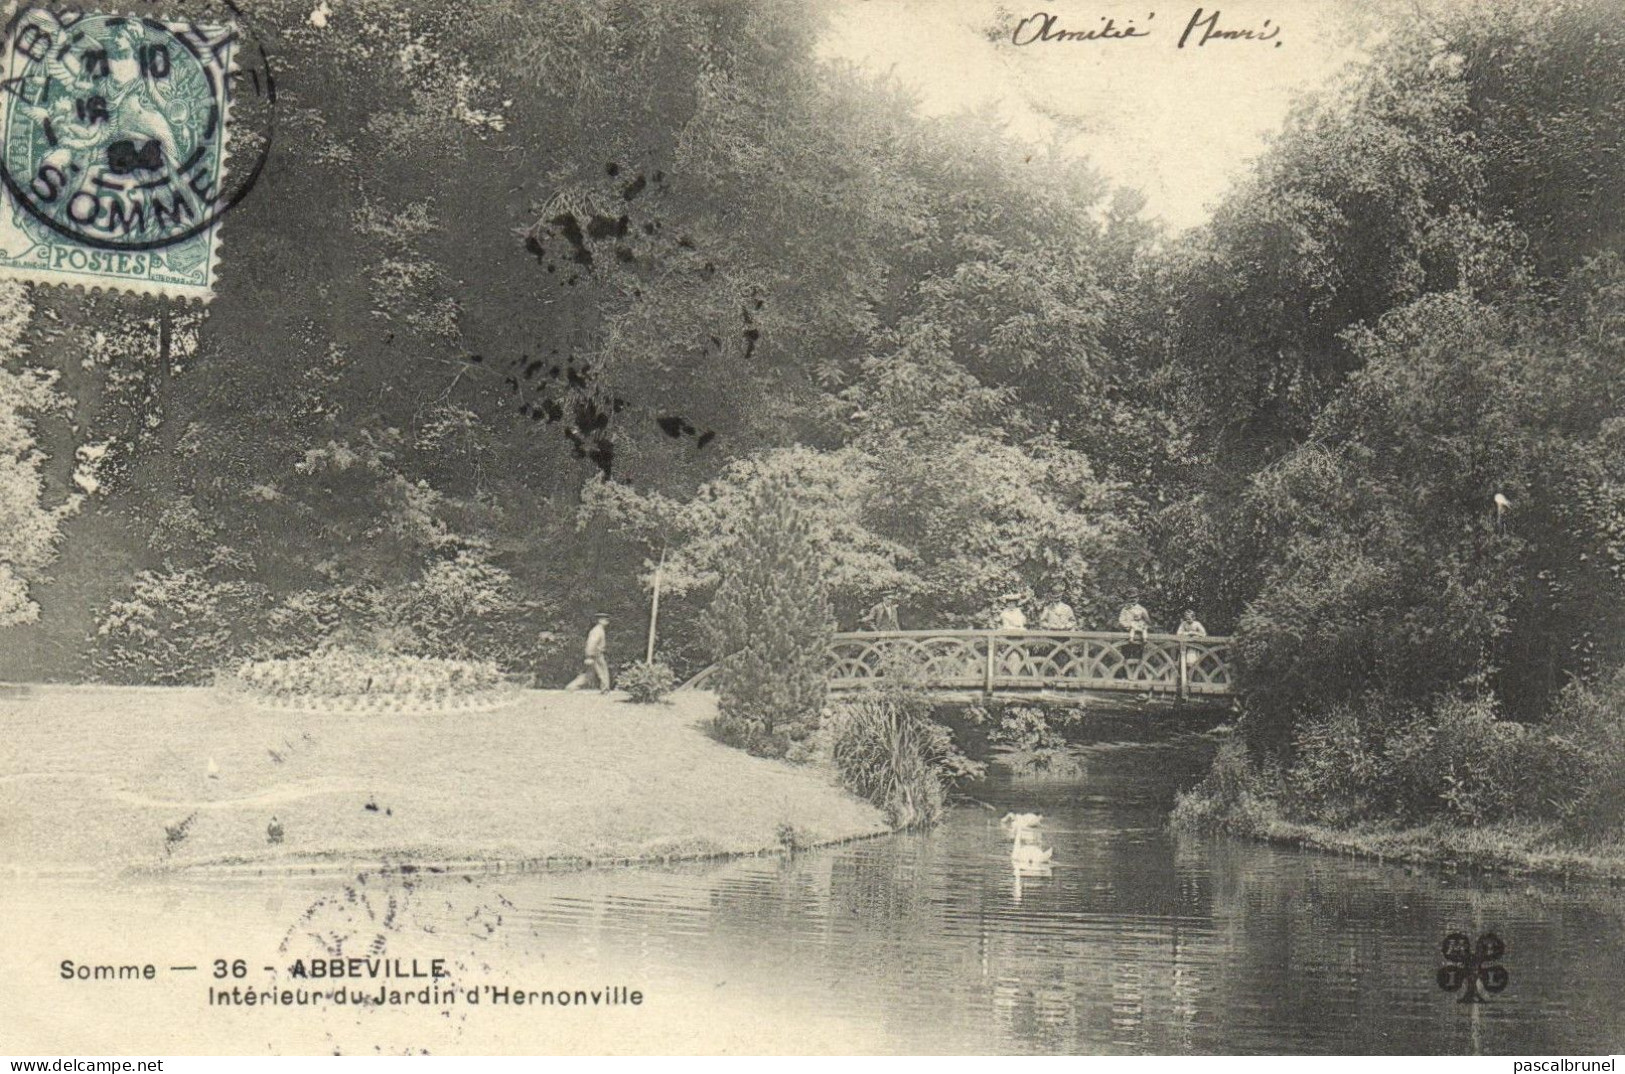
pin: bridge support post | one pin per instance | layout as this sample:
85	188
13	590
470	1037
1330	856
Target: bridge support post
987	676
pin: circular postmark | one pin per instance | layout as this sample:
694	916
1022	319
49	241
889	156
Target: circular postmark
133	132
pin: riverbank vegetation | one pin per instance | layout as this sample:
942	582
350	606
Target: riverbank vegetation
887	747
1458	782
578	345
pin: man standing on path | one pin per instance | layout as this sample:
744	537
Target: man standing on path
594	664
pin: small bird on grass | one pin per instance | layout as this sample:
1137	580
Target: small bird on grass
273	832
175	833
213	770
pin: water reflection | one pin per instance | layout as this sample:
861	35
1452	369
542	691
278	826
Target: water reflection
1128	940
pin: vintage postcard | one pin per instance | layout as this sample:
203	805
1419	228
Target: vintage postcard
924	527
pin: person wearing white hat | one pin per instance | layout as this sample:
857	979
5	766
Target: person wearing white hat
1012	617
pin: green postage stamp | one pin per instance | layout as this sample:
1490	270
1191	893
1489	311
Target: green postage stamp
116	134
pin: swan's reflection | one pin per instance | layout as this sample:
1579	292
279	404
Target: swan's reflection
1028	855
1020	872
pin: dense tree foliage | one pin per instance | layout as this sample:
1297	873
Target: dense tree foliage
29	524
534	302
556	283
1391	562
1391	324
1398	349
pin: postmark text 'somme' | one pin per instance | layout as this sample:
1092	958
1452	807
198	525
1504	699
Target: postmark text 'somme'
113	148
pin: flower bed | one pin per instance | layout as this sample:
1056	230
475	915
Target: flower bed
344	680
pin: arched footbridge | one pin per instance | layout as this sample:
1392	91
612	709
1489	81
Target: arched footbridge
1016	662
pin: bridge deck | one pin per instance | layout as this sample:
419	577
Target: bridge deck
990	662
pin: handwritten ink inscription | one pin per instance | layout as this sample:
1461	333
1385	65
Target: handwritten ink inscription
1042	26
1201	28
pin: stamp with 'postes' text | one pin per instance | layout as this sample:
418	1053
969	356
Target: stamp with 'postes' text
114	134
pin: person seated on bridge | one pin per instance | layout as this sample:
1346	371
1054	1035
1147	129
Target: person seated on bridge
1058	615
1135	619
883	615
1012	618
1191	627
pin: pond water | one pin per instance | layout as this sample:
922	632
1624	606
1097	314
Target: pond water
1134	940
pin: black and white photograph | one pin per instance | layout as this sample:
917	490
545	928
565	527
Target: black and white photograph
812	527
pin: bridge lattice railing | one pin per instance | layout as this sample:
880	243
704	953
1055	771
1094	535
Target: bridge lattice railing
1013	661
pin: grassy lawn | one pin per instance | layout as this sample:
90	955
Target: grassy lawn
93	776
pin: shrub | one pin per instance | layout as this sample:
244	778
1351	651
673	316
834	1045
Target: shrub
647	682
753	736
888	750
180	625
1578	774
1374	757
769	628
176	627
1335	764
458	608
1459	761
1233	797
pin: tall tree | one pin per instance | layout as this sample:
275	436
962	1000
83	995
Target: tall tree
770	627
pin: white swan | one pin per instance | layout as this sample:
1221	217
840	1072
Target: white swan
1025	846
1016	823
